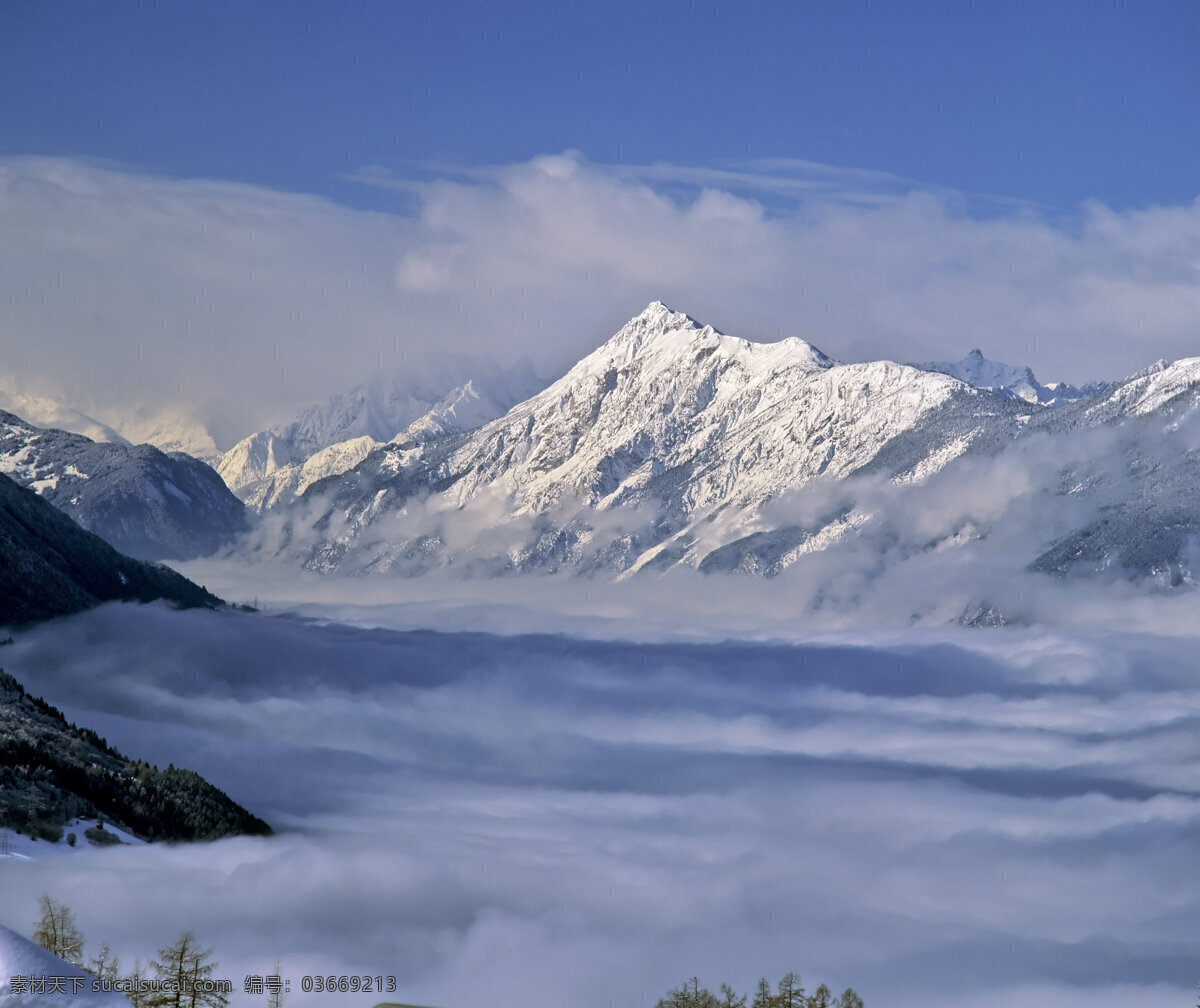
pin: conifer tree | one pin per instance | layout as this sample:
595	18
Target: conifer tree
105	966
849	999
690	995
790	993
57	933
730	998
276	996
181	968
762	995
137	997
822	997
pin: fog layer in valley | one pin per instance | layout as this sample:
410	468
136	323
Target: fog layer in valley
937	818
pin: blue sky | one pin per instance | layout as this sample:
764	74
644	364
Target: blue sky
321	191
1050	102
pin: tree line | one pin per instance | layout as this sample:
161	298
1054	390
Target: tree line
789	993
52	772
179	978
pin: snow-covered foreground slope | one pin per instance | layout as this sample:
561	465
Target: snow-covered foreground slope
22	964
26	848
944	819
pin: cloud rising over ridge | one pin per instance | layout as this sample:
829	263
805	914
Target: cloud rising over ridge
244	304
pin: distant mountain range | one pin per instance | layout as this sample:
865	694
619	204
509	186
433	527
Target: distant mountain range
1014	382
170	430
671	444
273	467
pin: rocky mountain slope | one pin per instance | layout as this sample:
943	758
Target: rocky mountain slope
142	501
52	771
49	566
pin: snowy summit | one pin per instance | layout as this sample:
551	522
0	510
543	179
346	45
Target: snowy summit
1014	381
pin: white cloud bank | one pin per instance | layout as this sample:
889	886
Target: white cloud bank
938	819
120	289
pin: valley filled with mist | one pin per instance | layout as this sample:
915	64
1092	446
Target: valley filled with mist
943	817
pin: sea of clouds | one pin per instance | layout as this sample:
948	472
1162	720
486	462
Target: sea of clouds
622	786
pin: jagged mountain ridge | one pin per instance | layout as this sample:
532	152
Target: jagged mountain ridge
142	501
1014	381
687	429
675	444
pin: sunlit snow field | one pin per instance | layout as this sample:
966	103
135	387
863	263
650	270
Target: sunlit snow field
604	794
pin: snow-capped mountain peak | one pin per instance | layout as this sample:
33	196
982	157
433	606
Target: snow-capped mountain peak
670	418
667	334
42	411
1012	381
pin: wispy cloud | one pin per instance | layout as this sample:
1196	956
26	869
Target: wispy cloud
245	303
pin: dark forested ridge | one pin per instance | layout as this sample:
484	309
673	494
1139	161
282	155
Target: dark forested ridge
49	566
52	771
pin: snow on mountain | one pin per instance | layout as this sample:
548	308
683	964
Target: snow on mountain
281	484
1006	379
1158	388
252	460
27	848
43	411
672	437
1143	511
169	430
145	503
387	404
272	467
24	964
464	408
